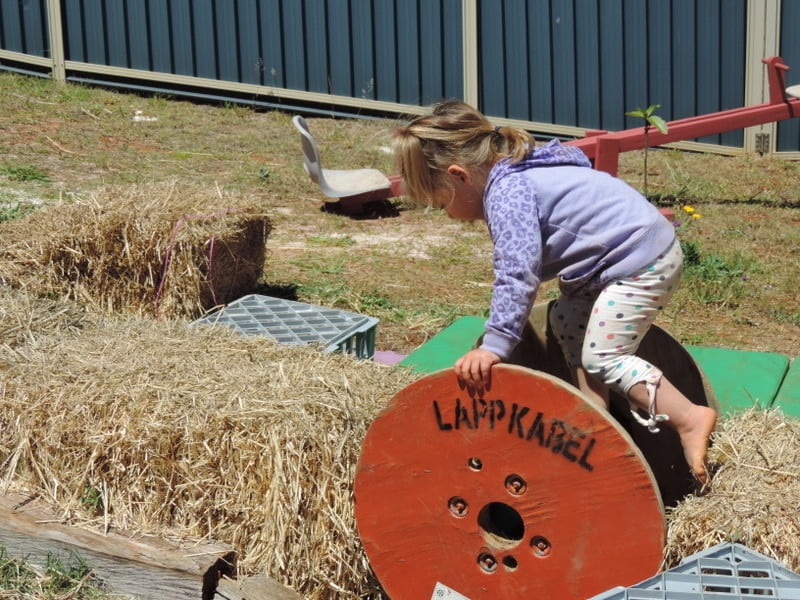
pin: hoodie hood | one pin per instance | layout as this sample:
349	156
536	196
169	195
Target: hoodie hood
551	154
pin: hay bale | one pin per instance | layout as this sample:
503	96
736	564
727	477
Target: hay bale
198	433
754	497
23	316
160	249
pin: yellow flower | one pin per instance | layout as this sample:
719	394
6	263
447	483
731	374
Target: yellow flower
697	215
689	209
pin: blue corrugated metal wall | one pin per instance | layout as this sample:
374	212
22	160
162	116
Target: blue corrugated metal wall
390	50
789	131
585	63
577	63
23	27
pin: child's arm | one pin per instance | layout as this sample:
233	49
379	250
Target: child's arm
513	221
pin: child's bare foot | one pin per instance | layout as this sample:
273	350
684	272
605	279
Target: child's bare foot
695	437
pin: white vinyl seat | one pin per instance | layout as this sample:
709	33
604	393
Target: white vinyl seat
793	91
336	183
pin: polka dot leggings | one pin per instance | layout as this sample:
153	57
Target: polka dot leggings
602	331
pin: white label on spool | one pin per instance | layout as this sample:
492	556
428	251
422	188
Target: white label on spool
442	592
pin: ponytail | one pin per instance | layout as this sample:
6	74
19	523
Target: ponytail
453	133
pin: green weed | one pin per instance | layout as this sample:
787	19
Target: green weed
24	173
264	174
15	575
16	210
713	279
61	578
785	317
92	499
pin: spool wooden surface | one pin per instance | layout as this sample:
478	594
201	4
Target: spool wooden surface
527	491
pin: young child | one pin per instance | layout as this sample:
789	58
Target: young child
551	215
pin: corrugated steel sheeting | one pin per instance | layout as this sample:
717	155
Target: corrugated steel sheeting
586	62
788	138
23	27
567	65
390	50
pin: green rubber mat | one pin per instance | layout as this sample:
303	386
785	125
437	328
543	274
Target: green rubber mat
741	379
788	398
446	347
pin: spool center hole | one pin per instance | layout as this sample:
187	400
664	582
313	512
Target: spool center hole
502	525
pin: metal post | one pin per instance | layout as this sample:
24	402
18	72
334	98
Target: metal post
469	16
54	26
763	39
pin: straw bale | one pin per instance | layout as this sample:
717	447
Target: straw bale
165	249
22	316
187	433
754	497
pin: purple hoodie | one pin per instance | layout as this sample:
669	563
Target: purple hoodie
551	215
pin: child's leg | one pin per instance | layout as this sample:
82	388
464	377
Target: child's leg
619	319
568	319
694	423
595	389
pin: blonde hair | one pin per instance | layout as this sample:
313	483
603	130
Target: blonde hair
454	133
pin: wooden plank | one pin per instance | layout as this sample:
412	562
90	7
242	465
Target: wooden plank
142	582
259	587
144	568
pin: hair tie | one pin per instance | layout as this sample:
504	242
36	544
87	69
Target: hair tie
497	128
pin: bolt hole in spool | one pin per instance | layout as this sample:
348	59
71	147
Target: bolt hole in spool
458	506
540	545
514	494
516	485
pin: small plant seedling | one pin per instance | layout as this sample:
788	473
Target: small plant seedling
650	120
92	499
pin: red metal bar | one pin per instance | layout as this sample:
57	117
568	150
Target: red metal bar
605	148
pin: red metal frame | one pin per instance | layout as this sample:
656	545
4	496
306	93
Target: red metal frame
604	147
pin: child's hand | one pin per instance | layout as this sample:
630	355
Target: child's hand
475	368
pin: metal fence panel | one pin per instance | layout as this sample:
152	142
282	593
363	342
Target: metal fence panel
390	50
585	63
570	63
23	27
788	134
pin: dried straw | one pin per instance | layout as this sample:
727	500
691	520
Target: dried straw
187	433
158	249
23	315
754	498
198	433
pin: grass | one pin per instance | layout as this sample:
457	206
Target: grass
15	210
714	280
60	578
416	271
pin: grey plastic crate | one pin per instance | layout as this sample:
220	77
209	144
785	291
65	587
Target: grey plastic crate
723	572
297	323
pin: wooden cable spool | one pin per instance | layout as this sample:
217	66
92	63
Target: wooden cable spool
528	491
